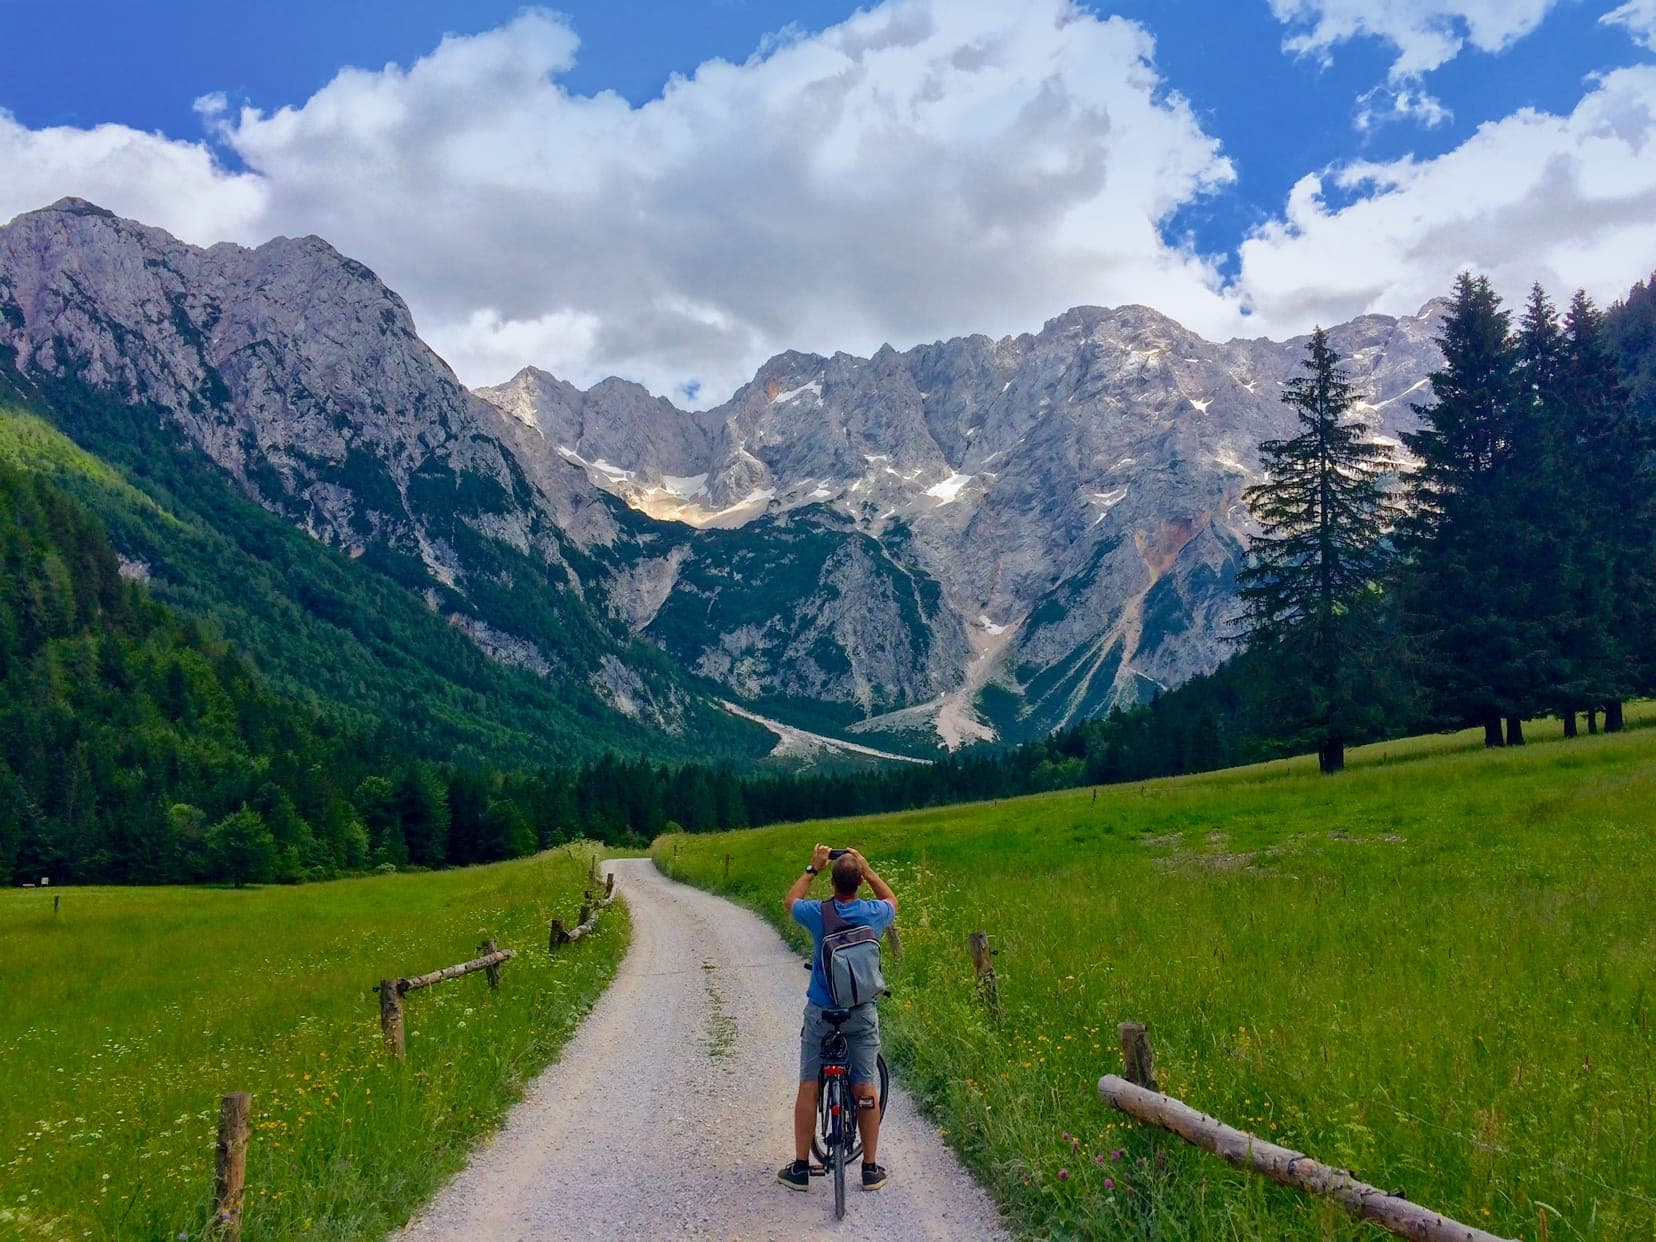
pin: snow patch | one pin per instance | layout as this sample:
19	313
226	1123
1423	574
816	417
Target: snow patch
989	627
949	489
1201	406
685	486
793	394
1108	500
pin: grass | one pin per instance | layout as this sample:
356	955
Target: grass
1437	969
126	1016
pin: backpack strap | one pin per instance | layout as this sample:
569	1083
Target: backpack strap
832	919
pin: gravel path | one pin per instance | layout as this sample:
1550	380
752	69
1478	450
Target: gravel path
671	1109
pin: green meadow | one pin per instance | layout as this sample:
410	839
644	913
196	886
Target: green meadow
1437	969
128	1013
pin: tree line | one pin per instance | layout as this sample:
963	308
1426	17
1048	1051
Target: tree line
1513	572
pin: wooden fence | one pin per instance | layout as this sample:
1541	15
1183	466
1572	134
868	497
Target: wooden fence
230	1174
1137	1096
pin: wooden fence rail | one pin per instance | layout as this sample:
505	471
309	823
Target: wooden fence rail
392	991
1388	1209
587	922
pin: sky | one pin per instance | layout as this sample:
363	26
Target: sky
673	191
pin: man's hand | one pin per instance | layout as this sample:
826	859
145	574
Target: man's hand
819	857
862	863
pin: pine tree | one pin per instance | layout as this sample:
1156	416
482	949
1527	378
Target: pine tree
1322	513
1456	591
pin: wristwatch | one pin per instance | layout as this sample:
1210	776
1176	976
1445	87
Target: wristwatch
810	870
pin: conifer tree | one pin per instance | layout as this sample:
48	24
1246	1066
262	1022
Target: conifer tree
1614	483
1457	592
1312	569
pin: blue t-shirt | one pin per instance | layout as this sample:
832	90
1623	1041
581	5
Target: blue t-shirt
808	914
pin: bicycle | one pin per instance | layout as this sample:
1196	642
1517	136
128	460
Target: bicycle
838	1142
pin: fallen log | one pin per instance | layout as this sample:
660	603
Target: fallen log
1291	1168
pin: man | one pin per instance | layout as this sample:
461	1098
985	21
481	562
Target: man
862	1030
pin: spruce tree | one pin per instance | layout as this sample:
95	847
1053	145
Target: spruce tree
1457	591
1312	569
1614	493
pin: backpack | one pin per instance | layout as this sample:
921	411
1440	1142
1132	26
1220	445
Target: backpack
850	960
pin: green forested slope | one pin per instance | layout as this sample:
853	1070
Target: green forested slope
348	635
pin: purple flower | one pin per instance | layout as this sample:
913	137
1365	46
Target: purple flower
1109	1183
1065	1136
1063	1175
1099	1159
1118	1153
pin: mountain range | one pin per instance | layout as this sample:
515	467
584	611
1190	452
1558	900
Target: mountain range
968	540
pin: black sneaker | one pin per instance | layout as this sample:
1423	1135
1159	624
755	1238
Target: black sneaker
874	1176
796	1176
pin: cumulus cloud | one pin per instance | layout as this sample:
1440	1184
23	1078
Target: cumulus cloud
1425	34
1566	200
177	186
923	168
1639	17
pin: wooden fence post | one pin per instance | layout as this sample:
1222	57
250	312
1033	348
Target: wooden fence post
592	871
556	935
727	867
1137	1055
230	1176
894	942
391	1018
492	972
586	911
609	887
988	987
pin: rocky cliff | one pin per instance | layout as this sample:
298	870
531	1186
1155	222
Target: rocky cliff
1072	498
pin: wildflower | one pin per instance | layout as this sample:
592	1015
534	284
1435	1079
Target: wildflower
1099	1159
1063	1175
1118	1153
1109	1183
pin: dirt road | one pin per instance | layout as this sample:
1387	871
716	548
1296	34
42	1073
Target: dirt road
671	1109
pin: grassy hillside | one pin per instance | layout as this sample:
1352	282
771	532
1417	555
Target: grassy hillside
128	1013
1438	970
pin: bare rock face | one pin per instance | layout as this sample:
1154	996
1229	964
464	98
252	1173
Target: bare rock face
301	375
1073	496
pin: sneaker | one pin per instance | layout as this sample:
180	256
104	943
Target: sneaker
796	1176
874	1176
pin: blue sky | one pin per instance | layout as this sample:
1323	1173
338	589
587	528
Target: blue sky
823	177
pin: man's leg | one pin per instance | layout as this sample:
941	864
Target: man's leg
805	1109
868	1119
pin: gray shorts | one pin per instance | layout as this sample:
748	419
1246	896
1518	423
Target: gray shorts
862	1035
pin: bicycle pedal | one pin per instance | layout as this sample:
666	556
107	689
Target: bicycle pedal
819	1170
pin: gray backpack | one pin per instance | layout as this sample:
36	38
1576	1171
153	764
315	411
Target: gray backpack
850	960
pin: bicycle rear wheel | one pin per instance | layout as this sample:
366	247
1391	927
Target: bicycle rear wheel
839	1126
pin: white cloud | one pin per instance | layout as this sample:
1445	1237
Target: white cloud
1425	33
1639	17
1566	200
172	185
927	167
